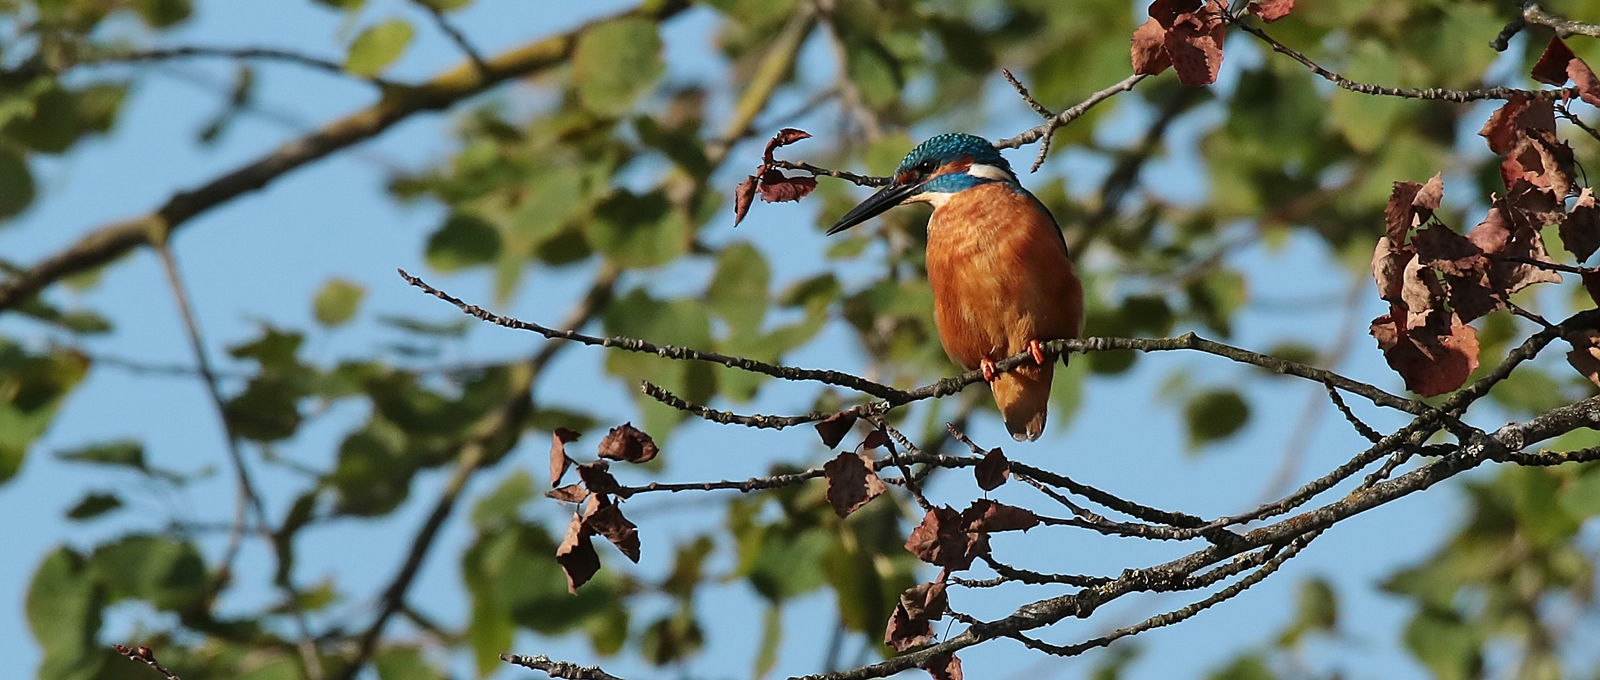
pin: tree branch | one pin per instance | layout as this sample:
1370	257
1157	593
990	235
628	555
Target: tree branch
445	90
241	53
558	669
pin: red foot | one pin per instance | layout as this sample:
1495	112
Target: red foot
988	370
1037	351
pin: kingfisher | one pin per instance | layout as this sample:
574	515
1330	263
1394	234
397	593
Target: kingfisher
1002	278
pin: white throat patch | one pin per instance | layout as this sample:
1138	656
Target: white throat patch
993	172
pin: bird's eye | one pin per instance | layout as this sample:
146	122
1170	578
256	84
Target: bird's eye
927	165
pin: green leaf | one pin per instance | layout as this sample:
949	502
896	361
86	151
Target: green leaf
405	663
163	13
1215	415
16	183
615	62
771	637
374	473
64	614
462	241
608	631
500	508
94	505
1317	610
336	303
378	47
282	667
639	230
1445	644
124	452
1246	667
1581	497
31	388
168	574
738	290
447	6
671	638
1115	661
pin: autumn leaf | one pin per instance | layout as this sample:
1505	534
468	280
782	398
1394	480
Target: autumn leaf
603	517
1580	229
993	470
1194	43
1508	123
742	196
559	462
783	138
628	443
1591	283
571	493
925	600
942	540
1270	10
1388	267
1551	68
835	427
905	632
576	555
597	477
1431	363
775	187
876	439
1149	49
986	516
1585	353
943	666
851	483
1411	204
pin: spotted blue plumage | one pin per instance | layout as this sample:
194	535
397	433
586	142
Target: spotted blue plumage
948	148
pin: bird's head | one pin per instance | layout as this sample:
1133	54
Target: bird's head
938	168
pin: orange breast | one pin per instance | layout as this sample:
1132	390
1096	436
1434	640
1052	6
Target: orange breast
1000	274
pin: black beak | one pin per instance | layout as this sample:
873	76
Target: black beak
886	198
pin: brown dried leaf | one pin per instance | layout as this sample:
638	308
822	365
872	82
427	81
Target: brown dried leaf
742	196
851	482
1583	77
1508	123
926	601
1270	10
905	632
1591	283
783	138
1448	252
986	516
1194	43
876	439
943	666
1398	216
1389	266
1580	229
1149	50
1542	160
1511	230
1167	12
571	493
576	555
1585	353
993	470
597	477
942	540
605	518
628	443
1421	295
1552	66
1431	364
777	188
835	427
559	462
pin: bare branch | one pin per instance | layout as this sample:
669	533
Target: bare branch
241	53
443	91
460	39
558	669
143	655
1034	134
1534	14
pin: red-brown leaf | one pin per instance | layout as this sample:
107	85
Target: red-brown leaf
1398	215
742	196
628	443
926	601
1431	364
943	666
576	555
558	453
1422	295
851	483
905	632
986	516
1195	45
1508	123
1167	12
1591	283
1583	77
1388	267
835	427
1580	229
605	518
993	470
1585	353
1552	66
783	138
1149	49
1448	252
876	439
1270	10
571	493
942	540
597	477
776	188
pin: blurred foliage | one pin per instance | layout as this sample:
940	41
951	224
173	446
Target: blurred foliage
619	168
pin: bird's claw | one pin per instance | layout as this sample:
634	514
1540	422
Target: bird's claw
1037	351
988	370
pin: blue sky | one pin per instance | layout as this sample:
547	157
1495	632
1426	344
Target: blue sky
264	256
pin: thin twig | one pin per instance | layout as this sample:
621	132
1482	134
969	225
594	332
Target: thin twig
143	655
263	53
1534	14
558	669
460	39
1034	134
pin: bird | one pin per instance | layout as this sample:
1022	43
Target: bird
1002	276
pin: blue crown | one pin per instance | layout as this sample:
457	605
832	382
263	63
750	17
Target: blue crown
953	146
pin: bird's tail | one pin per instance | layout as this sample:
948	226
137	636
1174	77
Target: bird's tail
1023	395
